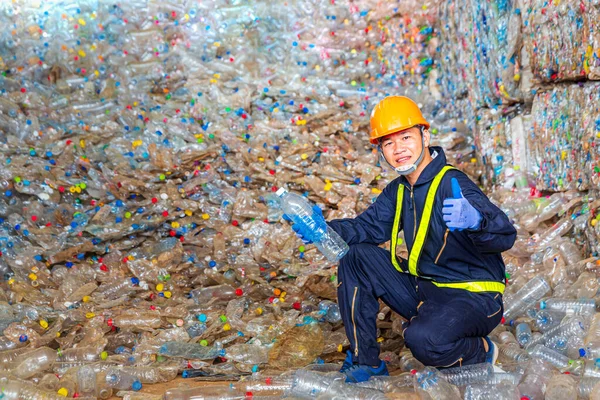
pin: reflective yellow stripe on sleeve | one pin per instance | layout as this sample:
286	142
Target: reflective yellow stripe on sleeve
417	247
483	286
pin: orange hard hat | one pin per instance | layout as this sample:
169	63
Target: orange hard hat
394	114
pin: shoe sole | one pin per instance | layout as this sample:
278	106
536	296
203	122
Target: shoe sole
495	355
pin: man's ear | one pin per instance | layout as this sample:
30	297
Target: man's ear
426	137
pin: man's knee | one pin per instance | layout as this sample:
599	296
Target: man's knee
428	346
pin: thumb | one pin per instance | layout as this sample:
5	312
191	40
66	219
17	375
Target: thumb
317	210
456	192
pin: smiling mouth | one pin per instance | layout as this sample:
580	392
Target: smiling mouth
402	160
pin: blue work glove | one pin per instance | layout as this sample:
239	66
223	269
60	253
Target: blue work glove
301	231
458	213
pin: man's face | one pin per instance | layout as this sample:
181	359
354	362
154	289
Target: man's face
403	148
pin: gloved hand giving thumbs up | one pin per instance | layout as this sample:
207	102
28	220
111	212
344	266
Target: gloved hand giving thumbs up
458	212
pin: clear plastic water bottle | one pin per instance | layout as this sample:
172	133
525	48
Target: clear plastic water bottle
576	307
121	380
468	374
555	358
342	390
534	381
561	386
586	385
592	339
330	310
570	252
548	319
301	212
570	327
431	382
408	363
531	292
510	377
193	351
309	384
511	352
502	391
523	333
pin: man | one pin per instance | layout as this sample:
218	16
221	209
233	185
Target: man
450	288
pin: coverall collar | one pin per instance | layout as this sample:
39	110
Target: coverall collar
431	170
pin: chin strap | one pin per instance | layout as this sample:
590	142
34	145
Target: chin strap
407	169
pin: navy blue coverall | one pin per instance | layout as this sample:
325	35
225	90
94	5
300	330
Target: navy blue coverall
446	325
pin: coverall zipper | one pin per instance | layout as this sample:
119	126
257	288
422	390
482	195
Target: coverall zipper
443	246
354	323
412	199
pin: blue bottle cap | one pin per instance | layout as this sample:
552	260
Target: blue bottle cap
184	374
137	385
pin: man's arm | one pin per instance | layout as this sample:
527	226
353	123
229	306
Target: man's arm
374	225
495	233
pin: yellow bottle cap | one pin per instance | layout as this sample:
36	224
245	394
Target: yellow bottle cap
167	294
226	327
160	287
90	315
86	299
104	355
44	324
63	392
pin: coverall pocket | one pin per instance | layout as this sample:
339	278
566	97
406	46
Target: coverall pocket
494	305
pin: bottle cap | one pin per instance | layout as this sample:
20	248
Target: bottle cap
281	191
137	385
63	392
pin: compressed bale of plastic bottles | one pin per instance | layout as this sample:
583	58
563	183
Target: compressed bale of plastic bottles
482	41
502	144
564	39
565	121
